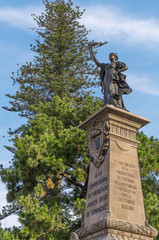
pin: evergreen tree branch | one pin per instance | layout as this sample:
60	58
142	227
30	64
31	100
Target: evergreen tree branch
73	181
9	210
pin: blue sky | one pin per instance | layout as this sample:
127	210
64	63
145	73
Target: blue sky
130	27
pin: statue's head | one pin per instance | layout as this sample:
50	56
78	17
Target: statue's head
113	56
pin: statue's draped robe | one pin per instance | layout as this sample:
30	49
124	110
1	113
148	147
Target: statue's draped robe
113	84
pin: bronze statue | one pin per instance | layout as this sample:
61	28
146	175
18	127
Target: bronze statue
113	82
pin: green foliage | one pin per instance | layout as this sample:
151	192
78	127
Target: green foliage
46	163
152	209
47	178
148	152
79	207
6	235
62	63
50	165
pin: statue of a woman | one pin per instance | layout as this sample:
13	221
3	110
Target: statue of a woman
113	82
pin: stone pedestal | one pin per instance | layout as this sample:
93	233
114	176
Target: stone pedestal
114	207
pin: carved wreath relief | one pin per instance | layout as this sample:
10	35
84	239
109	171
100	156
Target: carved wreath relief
98	142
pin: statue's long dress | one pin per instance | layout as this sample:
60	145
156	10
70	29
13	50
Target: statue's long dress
114	85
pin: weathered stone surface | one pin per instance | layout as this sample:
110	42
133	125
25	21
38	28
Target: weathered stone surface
117	225
114	207
114	185
74	236
115	235
122	115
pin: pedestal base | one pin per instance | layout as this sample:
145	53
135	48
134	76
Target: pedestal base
115	235
111	235
114	207
115	229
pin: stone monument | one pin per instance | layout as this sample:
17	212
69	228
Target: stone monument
114	205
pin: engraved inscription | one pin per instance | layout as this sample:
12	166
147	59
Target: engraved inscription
125	179
126	190
127	201
92	203
98	182
99	209
98	174
103	198
99	190
125	169
102	208
126	195
129	165
125	174
125	185
127	207
125	164
97	195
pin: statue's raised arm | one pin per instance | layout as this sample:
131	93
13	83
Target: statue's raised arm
113	81
93	55
101	65
95	44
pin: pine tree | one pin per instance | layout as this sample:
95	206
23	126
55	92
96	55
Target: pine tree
47	179
148	152
61	66
50	165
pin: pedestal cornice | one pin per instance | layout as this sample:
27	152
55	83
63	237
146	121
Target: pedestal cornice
115	114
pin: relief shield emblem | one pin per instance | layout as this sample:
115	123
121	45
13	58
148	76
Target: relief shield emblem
98	142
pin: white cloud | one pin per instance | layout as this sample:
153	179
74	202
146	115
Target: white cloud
12	220
110	22
105	22
19	17
143	84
